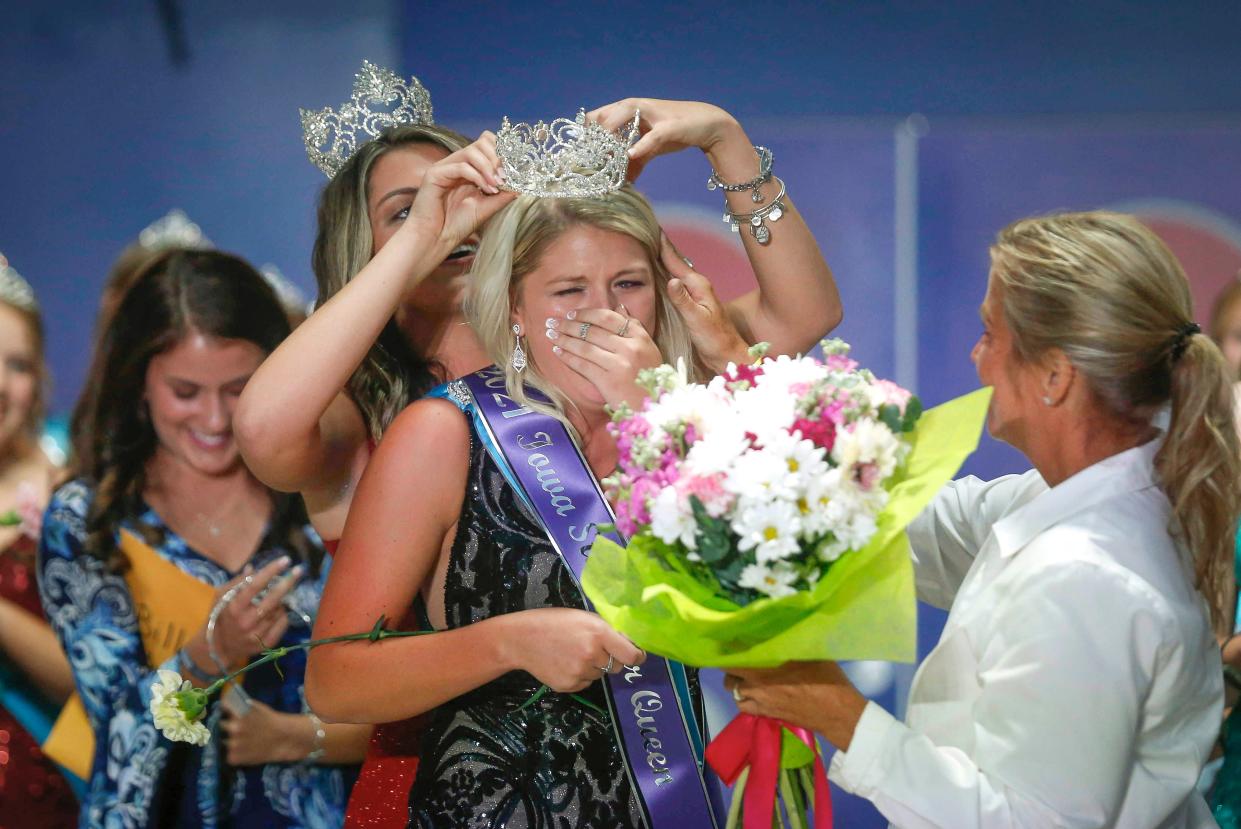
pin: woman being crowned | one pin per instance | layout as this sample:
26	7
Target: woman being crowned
487	529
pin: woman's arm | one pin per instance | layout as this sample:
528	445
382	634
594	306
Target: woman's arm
296	429
947	535
29	643
1062	683
797	301
264	735
402	521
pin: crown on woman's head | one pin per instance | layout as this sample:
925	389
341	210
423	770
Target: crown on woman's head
14	290
332	137
564	159
173	230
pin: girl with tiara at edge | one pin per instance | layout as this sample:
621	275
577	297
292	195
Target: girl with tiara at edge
559	283
35	679
161	473
389	324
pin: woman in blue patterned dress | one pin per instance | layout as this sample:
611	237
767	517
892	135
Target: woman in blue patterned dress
161	469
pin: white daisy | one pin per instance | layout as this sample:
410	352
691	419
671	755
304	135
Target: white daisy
775	580
769	528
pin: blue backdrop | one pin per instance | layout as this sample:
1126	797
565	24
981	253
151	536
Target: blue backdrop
105	127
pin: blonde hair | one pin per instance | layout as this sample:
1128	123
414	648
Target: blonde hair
511	247
1106	291
392	373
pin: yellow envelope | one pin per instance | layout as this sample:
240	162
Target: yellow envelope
171	606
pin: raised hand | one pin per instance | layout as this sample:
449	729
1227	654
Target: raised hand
254	616
613	350
669	126
459	193
716	338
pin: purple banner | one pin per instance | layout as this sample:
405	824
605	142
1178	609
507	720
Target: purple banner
651	720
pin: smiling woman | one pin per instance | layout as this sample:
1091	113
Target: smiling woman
161	488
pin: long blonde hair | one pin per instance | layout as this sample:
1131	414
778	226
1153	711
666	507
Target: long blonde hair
511	247
392	373
1105	290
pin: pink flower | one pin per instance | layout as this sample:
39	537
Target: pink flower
819	432
708	489
840	362
30	506
744	373
833	411
893	394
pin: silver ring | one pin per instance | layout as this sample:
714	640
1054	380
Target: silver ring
624	328
583	330
607	669
687	262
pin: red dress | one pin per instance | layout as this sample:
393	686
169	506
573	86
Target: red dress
33	792
380	798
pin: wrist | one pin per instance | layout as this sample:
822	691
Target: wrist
731	152
313	752
842	719
506	641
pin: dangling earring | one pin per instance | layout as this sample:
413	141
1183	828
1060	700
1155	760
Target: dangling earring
519	355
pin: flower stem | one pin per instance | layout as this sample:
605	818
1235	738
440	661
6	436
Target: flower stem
272	654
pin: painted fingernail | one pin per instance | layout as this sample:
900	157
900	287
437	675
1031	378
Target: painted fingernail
552	333
623	309
571	315
285	561
298	570
552	322
557	349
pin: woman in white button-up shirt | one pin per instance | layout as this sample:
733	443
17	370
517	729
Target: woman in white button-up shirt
1077	682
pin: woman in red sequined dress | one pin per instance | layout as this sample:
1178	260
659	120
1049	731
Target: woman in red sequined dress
34	673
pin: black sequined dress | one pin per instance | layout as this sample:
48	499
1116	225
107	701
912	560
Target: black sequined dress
484	765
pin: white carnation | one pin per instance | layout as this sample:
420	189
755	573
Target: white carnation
671	521
866	443
170	718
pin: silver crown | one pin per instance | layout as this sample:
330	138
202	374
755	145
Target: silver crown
564	159
14	290
173	230
290	295
332	137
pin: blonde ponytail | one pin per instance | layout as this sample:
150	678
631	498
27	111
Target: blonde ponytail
1199	466
1105	290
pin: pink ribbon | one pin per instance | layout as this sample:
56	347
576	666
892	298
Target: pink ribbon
754	742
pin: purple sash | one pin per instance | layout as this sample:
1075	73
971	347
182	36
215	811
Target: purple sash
646	711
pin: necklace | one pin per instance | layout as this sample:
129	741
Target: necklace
213	529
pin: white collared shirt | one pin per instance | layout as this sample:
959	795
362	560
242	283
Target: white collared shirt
1077	682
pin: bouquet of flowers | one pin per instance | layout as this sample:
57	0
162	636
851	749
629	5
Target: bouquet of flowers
765	512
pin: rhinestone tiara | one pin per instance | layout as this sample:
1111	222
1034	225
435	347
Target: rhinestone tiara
173	230
564	159
332	137
14	290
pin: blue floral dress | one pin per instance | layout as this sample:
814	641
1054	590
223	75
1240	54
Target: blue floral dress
139	778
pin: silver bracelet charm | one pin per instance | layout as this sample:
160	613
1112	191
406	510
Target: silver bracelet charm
765	159
757	219
316	752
